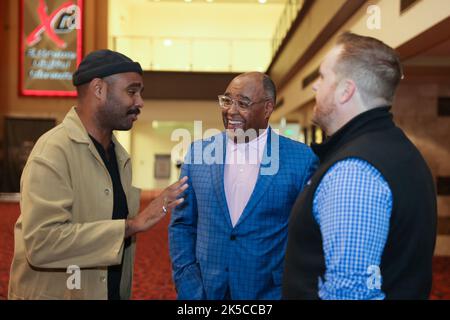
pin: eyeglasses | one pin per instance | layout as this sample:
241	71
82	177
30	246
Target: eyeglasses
226	102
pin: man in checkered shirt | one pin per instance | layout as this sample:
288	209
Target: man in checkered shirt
365	226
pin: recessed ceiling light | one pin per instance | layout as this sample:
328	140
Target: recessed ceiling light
167	42
262	1
187	0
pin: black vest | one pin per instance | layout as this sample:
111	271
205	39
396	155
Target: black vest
407	257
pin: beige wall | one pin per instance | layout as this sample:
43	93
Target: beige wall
196	19
321	13
146	142
205	37
395	30
151	135
415	111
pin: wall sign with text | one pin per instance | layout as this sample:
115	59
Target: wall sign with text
50	46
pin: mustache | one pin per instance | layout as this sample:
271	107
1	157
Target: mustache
135	111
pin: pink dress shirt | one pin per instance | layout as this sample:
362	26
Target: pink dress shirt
242	164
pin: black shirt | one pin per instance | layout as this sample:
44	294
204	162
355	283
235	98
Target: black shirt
120	211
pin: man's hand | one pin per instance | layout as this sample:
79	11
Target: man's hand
157	209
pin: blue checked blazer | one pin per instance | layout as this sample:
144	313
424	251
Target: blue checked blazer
210	258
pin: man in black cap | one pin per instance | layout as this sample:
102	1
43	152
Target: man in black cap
75	237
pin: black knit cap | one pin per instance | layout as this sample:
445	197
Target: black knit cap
103	63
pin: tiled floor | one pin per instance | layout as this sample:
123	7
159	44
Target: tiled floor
152	279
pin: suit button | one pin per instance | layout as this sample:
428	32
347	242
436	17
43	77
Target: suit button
102	279
233	237
226	269
107	192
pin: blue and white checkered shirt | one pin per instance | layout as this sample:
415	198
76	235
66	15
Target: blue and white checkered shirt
352	206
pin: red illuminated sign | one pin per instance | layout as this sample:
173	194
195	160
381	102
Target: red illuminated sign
50	46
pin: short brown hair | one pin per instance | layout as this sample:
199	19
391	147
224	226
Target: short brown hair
373	65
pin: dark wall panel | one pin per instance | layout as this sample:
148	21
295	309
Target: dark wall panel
185	85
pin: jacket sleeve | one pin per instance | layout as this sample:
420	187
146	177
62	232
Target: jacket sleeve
51	238
182	243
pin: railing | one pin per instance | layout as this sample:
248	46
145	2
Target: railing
208	54
288	16
196	54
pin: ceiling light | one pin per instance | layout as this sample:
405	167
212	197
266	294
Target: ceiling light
262	1
167	42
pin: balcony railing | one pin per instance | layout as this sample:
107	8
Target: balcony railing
196	54
288	16
208	54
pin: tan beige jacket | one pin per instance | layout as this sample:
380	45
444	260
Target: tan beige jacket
66	210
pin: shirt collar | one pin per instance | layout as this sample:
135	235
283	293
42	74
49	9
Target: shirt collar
99	146
254	144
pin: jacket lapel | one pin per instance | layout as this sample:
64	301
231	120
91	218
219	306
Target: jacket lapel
77	132
217	174
122	155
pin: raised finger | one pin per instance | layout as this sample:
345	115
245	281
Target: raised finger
179	183
175	203
178	190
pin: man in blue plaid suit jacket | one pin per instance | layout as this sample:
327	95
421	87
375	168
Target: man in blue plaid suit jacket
216	255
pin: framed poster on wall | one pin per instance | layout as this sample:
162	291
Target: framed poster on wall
162	166
50	46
